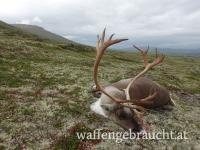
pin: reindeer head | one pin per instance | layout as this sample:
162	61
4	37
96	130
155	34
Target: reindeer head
117	104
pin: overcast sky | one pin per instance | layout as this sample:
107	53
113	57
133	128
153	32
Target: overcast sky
160	23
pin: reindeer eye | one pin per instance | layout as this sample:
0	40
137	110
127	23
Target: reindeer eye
106	108
99	94
96	94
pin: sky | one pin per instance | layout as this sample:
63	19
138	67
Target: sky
158	23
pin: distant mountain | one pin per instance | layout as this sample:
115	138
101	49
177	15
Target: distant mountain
174	51
11	31
5	25
192	51
42	33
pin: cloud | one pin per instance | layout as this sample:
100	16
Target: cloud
35	20
24	21
158	23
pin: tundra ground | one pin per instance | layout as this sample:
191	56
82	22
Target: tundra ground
44	96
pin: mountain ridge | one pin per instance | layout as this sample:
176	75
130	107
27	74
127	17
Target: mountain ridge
43	33
175	51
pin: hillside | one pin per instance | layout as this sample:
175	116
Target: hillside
42	33
12	32
44	95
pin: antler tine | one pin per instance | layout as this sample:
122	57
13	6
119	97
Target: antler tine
97	44
110	38
158	60
150	97
141	50
144	54
102	44
103	36
132	106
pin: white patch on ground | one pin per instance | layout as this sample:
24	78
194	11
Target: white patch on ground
22	90
96	107
49	92
45	144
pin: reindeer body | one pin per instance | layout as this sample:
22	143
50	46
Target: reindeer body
142	87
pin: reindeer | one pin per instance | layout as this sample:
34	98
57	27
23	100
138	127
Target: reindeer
125	101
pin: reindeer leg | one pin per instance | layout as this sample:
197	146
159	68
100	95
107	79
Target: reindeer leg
144	104
167	107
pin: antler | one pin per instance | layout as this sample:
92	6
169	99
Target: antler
101	46
148	66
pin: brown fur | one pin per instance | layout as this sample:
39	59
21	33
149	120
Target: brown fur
141	88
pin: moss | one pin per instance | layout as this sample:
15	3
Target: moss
195	90
74	109
26	110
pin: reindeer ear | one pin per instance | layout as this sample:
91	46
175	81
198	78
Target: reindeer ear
109	107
